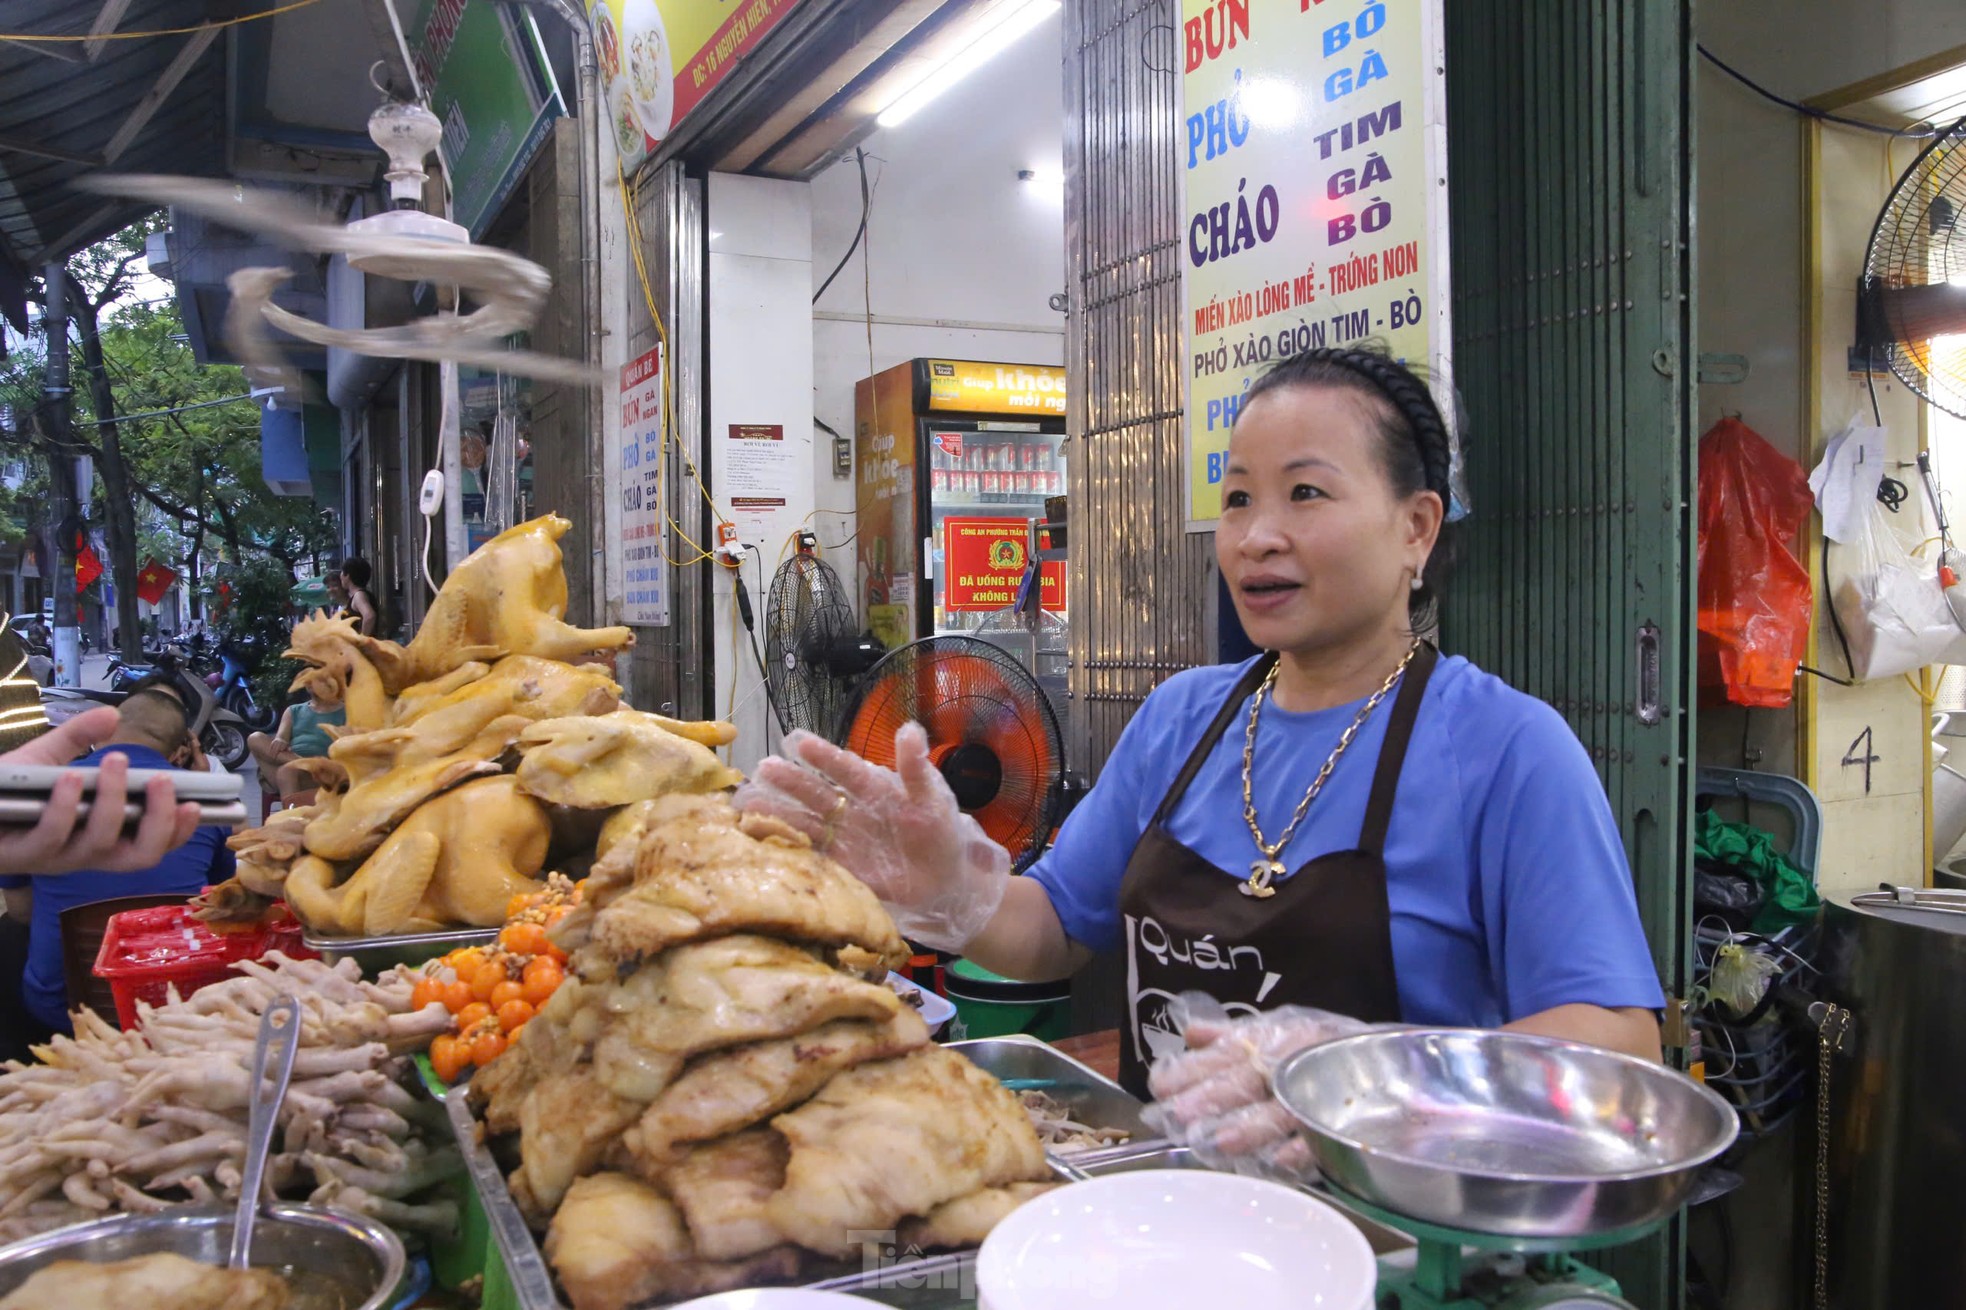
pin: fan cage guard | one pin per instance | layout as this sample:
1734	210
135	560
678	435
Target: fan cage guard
1919	241
806	619
967	694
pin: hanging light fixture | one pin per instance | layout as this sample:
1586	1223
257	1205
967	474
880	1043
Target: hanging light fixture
998	30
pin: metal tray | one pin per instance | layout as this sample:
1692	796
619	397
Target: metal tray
378	955
525	1266
940	1278
941	1282
1093	1099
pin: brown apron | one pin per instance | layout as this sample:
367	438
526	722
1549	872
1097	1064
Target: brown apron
1324	940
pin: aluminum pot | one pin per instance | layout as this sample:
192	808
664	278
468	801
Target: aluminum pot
328	1256
1504	1133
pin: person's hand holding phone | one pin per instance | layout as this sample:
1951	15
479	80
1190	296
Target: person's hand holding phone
191	755
58	843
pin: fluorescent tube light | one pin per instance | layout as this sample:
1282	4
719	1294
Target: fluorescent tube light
1011	20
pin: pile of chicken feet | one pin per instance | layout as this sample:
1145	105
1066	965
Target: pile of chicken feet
137	1121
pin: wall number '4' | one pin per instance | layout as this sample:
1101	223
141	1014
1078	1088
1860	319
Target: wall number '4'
1860	753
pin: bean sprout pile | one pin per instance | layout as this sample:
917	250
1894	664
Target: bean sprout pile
1062	1134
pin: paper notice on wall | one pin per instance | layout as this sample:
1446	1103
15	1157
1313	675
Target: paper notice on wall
644	572
761	471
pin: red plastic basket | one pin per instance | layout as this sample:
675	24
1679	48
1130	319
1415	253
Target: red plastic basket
144	952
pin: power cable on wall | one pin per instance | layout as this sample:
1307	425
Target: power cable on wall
1822	115
860	233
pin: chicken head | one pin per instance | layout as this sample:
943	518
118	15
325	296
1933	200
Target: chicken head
508	597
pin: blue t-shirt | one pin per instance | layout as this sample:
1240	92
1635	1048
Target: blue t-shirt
1508	884
202	860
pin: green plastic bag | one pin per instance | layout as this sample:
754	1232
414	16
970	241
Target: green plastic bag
1791	891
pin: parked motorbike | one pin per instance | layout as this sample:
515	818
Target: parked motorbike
40	662
238	657
220	731
123	678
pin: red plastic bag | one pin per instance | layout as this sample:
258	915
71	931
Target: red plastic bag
1755	599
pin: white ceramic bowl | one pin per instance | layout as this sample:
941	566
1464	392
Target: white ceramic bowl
1175	1238
778	1298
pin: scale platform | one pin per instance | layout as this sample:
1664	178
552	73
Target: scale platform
1458	1270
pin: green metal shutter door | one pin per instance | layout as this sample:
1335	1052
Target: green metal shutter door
1569	150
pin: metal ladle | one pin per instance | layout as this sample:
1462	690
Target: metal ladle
273	1058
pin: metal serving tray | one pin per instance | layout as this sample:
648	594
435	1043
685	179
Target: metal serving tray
941	1278
1026	1063
378	955
525	1266
948	1281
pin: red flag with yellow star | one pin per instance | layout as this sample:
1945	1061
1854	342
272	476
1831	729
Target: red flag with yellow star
87	566
153	581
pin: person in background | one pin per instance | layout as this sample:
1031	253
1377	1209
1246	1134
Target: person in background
151	733
302	735
337	594
361	605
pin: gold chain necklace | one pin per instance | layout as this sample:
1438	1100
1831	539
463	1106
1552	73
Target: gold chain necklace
1263	870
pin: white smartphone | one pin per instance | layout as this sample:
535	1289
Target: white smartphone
24	791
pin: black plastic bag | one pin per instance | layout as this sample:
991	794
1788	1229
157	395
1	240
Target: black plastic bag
1720	891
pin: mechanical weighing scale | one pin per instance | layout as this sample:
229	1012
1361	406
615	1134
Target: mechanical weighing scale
1453	1269
1505	1156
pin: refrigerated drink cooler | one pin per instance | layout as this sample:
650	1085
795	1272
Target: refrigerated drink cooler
955	459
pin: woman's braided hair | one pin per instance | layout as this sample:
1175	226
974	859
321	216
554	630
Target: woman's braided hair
1415	449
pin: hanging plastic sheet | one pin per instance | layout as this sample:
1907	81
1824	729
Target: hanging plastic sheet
1755	597
1888	598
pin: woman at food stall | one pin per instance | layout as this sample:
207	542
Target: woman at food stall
1348	828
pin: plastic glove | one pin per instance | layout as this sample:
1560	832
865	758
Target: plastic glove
1215	1097
900	831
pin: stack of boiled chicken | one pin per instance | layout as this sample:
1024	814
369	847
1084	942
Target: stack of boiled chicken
473	760
725	1090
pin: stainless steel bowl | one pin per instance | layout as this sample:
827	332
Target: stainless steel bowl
1504	1133
330	1258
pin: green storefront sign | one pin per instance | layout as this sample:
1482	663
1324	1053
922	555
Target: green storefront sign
488	80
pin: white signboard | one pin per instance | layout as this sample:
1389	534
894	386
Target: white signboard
644	600
1313	161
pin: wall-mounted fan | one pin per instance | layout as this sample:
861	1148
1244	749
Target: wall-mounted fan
814	648
1914	286
991	731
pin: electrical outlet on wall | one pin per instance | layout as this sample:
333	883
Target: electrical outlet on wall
842	457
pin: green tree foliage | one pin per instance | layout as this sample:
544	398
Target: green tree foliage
201	467
253	599
184	486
